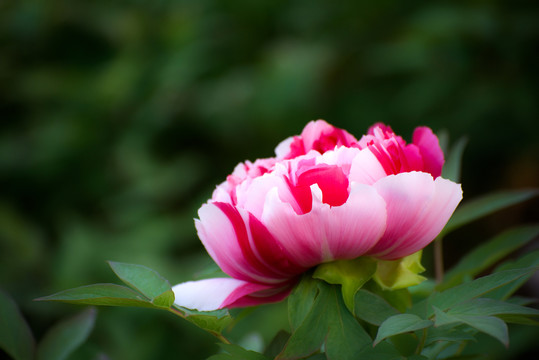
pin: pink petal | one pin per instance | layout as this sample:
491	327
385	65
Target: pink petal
326	232
283	149
433	156
213	294
366	169
317	135
418	207
270	252
410	158
223	232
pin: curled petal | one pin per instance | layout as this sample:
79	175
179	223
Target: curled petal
418	207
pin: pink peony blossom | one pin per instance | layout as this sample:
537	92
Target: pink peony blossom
325	196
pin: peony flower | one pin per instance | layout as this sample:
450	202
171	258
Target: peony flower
325	196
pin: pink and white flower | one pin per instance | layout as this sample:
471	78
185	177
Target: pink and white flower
325	196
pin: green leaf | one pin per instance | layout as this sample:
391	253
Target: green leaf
489	325
101	294
521	300
476	288
212	321
147	281
310	334
401	273
328	320
317	357
487	254
351	274
372	308
400	324
453	164
485	205
406	344
469	357
489	307
384	350
518	319
530	259
451	333
235	352
301	300
346	337
277	344
64	338
16	338
442	318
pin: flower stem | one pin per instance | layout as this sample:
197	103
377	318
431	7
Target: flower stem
438	260
219	336
421	342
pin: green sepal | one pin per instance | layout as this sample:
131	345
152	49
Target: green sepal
351	274
401	273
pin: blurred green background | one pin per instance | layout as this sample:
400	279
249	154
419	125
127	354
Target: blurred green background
119	118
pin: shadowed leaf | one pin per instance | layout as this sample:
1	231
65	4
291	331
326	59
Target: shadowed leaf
15	336
65	337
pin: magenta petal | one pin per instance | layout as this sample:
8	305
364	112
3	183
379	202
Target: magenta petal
429	147
418	207
330	179
223	232
213	294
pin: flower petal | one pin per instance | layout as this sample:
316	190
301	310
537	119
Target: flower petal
366	169
223	232
429	146
213	294
418	207
326	233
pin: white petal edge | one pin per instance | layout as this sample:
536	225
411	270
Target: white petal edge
212	294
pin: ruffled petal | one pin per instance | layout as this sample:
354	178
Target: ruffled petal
418	207
213	294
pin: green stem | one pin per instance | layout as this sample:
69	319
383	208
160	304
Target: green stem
461	348
219	336
421	342
438	260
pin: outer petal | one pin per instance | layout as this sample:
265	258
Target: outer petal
418	207
213	294
225	236
326	233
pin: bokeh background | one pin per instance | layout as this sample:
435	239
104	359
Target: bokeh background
119	118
